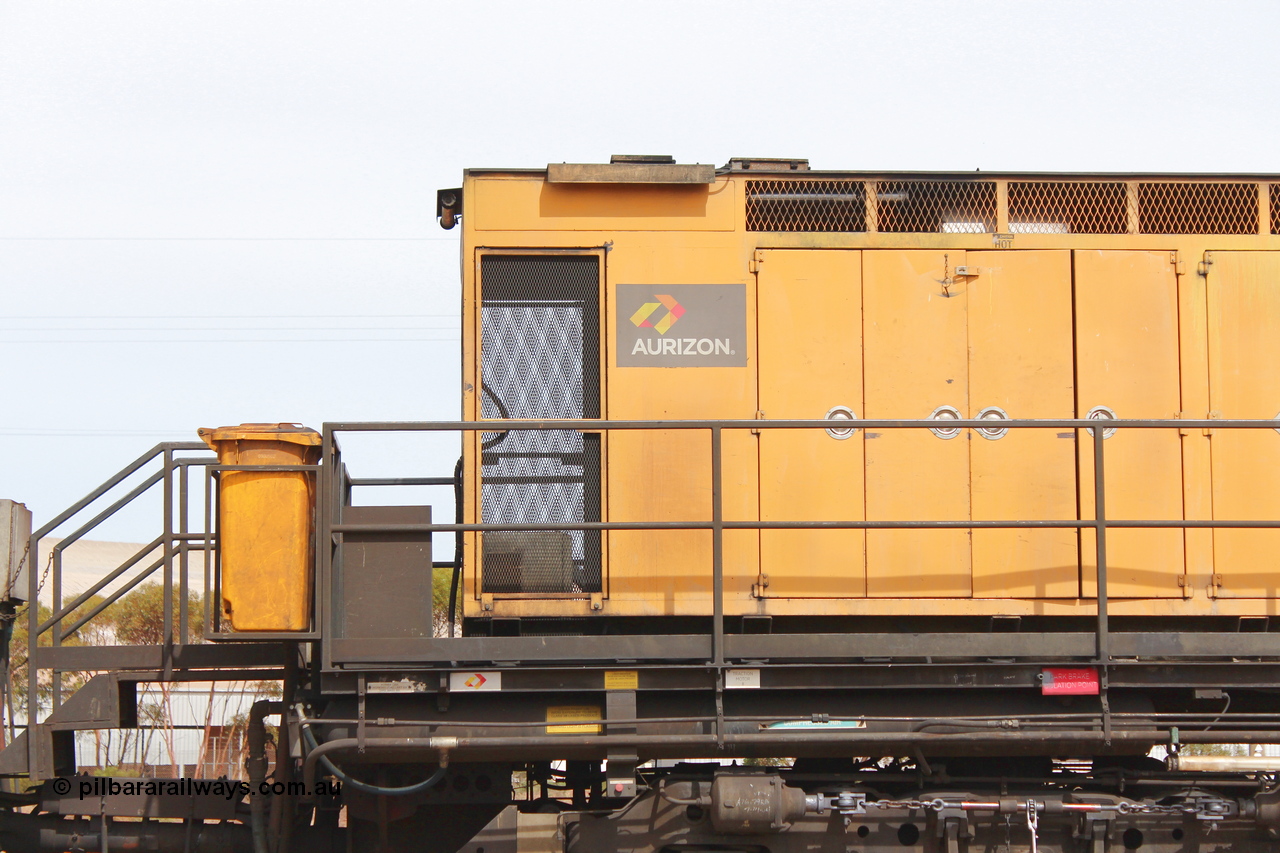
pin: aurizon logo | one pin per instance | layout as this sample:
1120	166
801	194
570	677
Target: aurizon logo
674	312
671	346
476	681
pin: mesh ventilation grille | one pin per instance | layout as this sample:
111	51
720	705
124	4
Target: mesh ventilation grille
1198	208
806	206
1067	207
1034	207
946	207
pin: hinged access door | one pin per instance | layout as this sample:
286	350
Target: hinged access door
540	358
954	334
1244	382
1127	366
810	366
915	331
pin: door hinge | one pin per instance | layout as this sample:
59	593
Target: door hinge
1183	416
1213	416
758	588
1179	268
757	258
759	417
1202	268
1215	585
1185	584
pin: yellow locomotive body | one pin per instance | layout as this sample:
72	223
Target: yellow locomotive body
648	291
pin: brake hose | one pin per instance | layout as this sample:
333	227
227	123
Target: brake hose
365	787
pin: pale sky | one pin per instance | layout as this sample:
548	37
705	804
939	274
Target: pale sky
219	212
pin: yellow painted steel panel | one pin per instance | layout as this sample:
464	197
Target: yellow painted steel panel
810	344
1244	382
1127	359
1020	360
505	205
666	475
915	360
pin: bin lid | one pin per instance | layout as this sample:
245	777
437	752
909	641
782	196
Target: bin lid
293	433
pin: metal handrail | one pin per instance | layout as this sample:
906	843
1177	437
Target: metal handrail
1097	428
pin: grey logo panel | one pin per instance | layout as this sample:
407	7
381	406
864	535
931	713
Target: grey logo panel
682	325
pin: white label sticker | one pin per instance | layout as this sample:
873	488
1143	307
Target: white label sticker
739	679
473	681
402	686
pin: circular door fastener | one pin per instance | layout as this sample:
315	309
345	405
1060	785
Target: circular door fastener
1103	413
992	413
841	413
945	413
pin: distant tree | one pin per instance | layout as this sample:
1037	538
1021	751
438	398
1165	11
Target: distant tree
139	617
441	579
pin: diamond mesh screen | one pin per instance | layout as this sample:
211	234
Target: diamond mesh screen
806	206
1198	208
1067	207
539	358
947	207
1275	208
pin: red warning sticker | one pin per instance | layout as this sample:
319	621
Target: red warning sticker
1082	681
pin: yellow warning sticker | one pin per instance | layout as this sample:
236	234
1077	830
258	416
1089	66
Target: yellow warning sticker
567	713
621	679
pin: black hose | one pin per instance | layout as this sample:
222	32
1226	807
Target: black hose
457	546
498	438
375	790
256	765
456	581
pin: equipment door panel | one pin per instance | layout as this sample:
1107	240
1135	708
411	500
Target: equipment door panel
1127	366
915	363
540	358
1020	362
1244	382
810	345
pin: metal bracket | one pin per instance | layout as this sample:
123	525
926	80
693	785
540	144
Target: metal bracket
971	272
761	584
442	694
952	826
360	691
757	258
620	773
486	601
1215	585
1179	268
1103	684
597	601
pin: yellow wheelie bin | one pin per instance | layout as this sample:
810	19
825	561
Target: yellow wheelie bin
266	525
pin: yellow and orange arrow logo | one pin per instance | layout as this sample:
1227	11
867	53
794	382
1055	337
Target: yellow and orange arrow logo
674	312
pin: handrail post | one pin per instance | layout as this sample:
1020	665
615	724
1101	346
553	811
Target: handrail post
167	585
1100	536
33	642
184	584
324	534
55	638
717	548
